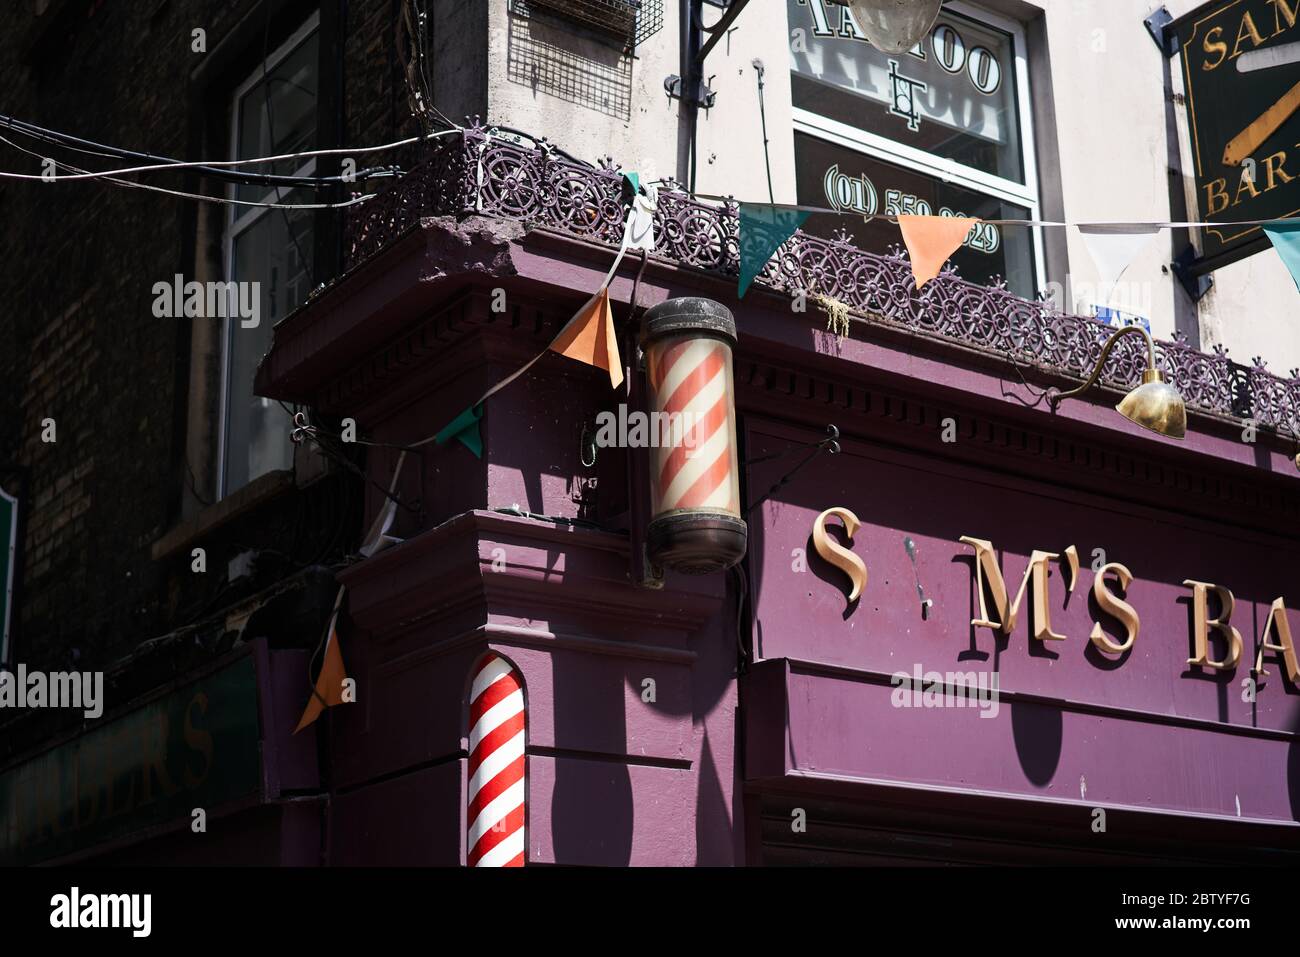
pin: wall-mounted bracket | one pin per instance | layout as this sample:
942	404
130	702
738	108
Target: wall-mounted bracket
704	95
1159	25
1195	285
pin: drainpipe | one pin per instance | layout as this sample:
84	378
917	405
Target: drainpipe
692	79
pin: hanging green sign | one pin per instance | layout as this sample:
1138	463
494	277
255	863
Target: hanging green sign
196	747
1243	116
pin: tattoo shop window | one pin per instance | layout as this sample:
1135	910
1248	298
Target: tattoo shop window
274	113
944	129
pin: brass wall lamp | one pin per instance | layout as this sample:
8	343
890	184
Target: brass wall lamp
894	26
1154	405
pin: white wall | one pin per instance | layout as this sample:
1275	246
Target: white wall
731	134
1111	125
642	138
1110	104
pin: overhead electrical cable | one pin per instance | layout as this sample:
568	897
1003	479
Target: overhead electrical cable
186	195
206	167
209	167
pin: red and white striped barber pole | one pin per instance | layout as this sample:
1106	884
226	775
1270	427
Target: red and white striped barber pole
696	522
697	470
496	793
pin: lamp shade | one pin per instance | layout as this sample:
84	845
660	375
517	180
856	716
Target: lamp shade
895	26
1156	405
696	525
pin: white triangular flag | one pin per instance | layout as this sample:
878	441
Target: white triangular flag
1113	249
641	220
377	538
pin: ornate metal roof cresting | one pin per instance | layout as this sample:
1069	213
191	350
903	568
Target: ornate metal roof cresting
514	176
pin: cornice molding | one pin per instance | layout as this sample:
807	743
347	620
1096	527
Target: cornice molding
914	422
451	570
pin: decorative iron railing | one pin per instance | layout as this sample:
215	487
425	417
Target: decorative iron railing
511	175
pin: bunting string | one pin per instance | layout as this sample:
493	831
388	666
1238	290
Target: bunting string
588	336
1094	225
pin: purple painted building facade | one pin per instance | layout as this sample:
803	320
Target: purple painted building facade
755	718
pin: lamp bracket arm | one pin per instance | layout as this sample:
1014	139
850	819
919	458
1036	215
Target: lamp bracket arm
1101	361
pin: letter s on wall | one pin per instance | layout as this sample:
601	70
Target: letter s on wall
837	554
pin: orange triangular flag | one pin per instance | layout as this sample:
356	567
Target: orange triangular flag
589	337
931	240
329	683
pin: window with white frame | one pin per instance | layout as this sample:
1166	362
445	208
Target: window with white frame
944	129
274	113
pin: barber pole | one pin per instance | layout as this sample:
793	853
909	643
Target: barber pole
697	470
696	522
496	792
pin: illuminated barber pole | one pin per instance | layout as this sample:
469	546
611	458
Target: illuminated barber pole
696	522
496	834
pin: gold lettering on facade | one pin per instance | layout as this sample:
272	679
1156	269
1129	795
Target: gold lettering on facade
1273	167
988	576
155	762
1214	45
1286	13
1277	620
1282	9
1247	29
1110	582
1247	185
836	554
1116	607
1202	623
1216	197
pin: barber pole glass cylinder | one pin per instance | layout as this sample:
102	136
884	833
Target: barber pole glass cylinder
696	525
497	789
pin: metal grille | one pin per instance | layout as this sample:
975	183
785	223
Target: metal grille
631	21
554	68
531	182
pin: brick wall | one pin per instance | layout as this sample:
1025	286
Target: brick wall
79	343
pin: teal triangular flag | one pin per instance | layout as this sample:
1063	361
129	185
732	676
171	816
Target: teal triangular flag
763	229
1285	236
635	180
465	428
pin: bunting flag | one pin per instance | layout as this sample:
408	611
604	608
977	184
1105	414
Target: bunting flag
1113	249
640	230
465	429
377	538
328	690
1285	237
589	337
930	240
763	229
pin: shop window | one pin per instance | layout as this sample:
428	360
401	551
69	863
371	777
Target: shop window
944	129
274	113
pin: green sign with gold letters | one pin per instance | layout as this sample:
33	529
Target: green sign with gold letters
1242	84
196	747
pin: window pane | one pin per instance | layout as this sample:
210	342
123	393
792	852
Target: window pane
272	249
257	429
292	108
830	175
954	95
